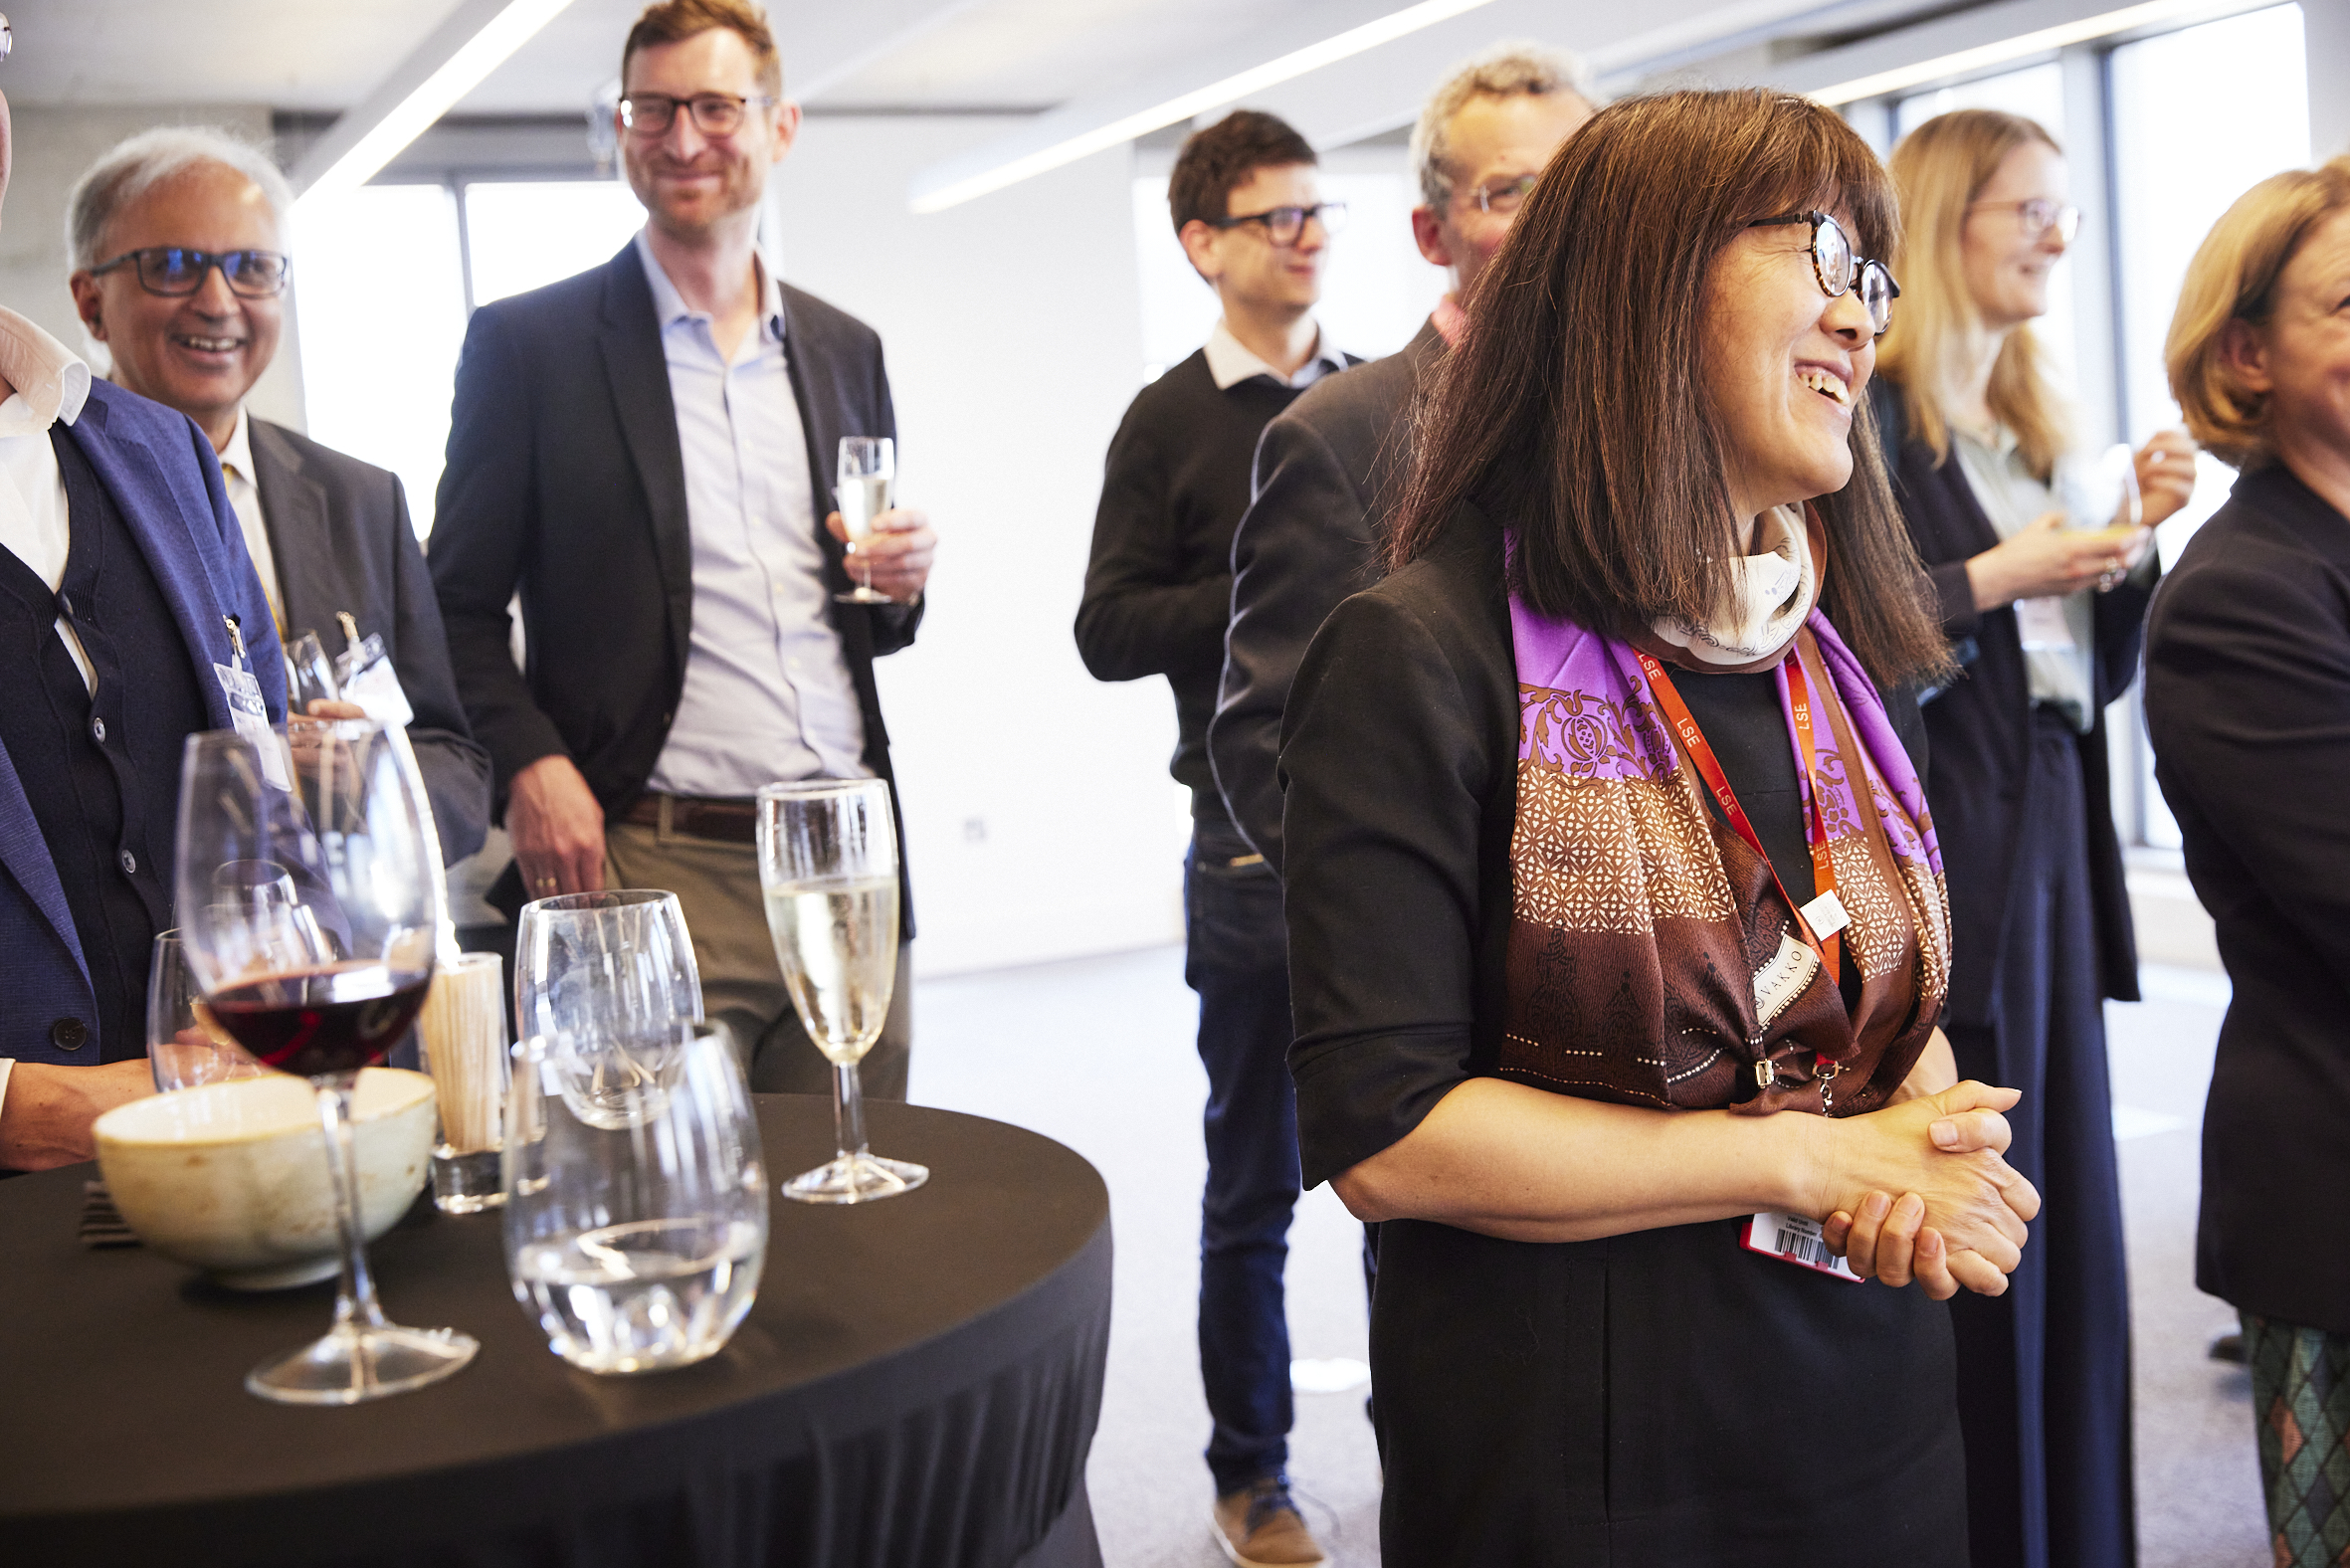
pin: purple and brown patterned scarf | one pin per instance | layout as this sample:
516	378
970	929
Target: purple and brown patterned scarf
1651	960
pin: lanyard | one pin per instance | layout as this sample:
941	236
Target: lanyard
1826	911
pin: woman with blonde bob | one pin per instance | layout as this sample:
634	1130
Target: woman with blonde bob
2043	606
2248	697
1617	935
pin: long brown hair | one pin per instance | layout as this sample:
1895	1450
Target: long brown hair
1938	169
1573	411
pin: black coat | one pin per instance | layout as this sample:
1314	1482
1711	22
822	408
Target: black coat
2247	699
1979	730
566	480
1329	472
342	543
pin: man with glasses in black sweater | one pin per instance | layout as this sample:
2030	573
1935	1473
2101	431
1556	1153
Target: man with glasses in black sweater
1247	208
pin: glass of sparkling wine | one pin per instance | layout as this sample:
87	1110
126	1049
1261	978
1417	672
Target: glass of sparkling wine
635	1247
868	467
828	863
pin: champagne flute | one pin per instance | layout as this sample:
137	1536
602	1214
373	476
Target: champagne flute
310	675
828	863
607	979
307	890
185	1047
869	469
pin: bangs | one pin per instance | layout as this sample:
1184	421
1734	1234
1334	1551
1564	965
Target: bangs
1813	160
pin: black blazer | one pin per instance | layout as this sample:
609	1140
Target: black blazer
1979	730
566	482
339	531
2247	699
1329	472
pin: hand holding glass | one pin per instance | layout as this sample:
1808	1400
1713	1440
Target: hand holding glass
828	863
308	916
869	470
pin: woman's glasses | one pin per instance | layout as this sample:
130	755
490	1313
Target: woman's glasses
1840	270
175	270
2038	216
1284	225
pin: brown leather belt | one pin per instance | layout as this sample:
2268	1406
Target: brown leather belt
697	817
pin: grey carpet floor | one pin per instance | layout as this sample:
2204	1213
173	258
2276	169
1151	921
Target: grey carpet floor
1097	1053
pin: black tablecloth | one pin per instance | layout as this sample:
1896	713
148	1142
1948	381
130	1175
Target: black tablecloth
918	1384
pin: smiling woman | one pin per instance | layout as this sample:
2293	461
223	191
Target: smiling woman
1620	1059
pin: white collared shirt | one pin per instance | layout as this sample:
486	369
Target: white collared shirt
50	384
1230	362
767	694
236	467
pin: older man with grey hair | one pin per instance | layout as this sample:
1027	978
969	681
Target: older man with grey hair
180	271
1330	468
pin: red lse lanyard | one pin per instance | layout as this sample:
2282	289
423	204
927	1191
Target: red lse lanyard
1799	700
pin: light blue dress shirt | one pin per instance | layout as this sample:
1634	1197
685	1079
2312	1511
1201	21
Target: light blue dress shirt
767	694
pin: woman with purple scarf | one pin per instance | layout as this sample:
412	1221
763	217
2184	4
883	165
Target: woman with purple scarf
1618	937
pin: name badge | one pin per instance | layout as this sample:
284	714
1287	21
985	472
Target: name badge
250	716
1793	1239
2042	626
367	677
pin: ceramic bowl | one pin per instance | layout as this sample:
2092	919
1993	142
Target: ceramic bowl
232	1177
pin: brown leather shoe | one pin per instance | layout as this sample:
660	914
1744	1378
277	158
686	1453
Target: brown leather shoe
1258	1528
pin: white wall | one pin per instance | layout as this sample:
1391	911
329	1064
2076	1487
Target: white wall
1041	820
50	147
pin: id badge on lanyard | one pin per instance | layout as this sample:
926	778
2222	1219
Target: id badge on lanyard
248	713
365	671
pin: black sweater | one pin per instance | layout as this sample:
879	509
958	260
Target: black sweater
1159	586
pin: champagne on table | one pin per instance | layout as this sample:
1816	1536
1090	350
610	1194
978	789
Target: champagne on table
868	471
828	863
837	943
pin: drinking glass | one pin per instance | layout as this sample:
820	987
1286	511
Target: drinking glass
309	674
308	901
185	1047
608	980
636	1246
868	470
828	863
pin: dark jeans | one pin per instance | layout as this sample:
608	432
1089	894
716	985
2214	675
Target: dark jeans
1237	958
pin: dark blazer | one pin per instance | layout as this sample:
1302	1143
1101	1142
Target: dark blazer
2247	699
1330	470
566	480
1979	730
340	533
161	473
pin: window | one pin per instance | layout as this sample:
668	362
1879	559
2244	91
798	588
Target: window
385	278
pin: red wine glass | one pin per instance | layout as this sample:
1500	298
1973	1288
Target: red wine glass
307	910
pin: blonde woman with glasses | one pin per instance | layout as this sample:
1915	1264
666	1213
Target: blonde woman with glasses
2248	697
2043	605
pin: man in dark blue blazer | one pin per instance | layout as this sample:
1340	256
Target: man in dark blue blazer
122	571
645	454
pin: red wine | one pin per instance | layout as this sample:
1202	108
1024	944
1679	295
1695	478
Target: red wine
334	1019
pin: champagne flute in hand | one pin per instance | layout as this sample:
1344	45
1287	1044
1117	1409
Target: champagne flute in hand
308	906
868	470
828	863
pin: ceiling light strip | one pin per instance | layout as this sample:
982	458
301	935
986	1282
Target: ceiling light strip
1184	106
1987	56
513	25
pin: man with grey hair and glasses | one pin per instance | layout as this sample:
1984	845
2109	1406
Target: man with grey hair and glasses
1332	465
180	271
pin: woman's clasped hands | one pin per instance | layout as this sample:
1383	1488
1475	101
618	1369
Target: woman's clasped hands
1961	1214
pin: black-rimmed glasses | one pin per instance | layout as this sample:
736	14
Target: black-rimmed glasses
1839	269
2038	216
176	270
1505	197
714	113
1284	225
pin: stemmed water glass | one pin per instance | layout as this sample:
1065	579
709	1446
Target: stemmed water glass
608	980
828	863
868	473
308	902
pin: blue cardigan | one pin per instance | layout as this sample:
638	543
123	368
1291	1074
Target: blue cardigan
162	474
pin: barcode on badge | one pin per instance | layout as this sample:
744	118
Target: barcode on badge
1793	1239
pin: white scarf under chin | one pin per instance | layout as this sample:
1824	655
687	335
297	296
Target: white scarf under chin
1771	595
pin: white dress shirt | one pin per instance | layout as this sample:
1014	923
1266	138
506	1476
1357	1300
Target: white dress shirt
50	384
767	689
1231	362
236	467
